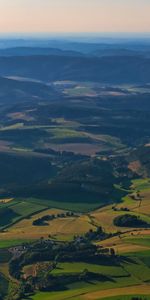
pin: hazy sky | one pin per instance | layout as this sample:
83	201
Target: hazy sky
74	15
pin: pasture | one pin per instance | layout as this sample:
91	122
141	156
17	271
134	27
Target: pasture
15	210
114	271
69	206
87	291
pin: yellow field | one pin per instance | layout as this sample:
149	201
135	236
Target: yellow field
6	200
66	227
131	290
4	269
121	245
104	217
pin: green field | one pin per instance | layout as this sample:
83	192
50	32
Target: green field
19	209
95	268
144	241
76	207
130	273
4	244
141	184
25	209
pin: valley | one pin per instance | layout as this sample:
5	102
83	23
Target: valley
75	173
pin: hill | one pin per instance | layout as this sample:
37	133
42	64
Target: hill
12	91
112	69
28	51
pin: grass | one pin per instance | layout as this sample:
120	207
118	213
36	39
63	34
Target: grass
60	133
79	267
138	270
11	243
12	127
76	207
144	241
141	184
91	290
61	227
24	208
20	210
105	216
80	91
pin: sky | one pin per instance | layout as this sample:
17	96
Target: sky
52	16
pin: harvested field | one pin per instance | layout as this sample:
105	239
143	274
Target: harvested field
78	148
131	290
68	226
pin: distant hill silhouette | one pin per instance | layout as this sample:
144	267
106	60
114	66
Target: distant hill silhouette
28	51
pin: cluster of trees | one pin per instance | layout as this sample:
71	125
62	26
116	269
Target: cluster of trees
98	234
128	220
43	220
62	154
120	208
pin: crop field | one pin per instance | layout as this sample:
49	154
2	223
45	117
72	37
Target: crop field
77	147
81	91
130	279
69	206
121	292
133	243
141	184
66	228
63	227
7	243
5	200
60	133
17	210
142	240
127	297
89	292
105	218
140	207
114	271
25	209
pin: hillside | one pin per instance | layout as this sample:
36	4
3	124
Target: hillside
111	69
29	51
13	90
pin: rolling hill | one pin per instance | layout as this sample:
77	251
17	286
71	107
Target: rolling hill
111	69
